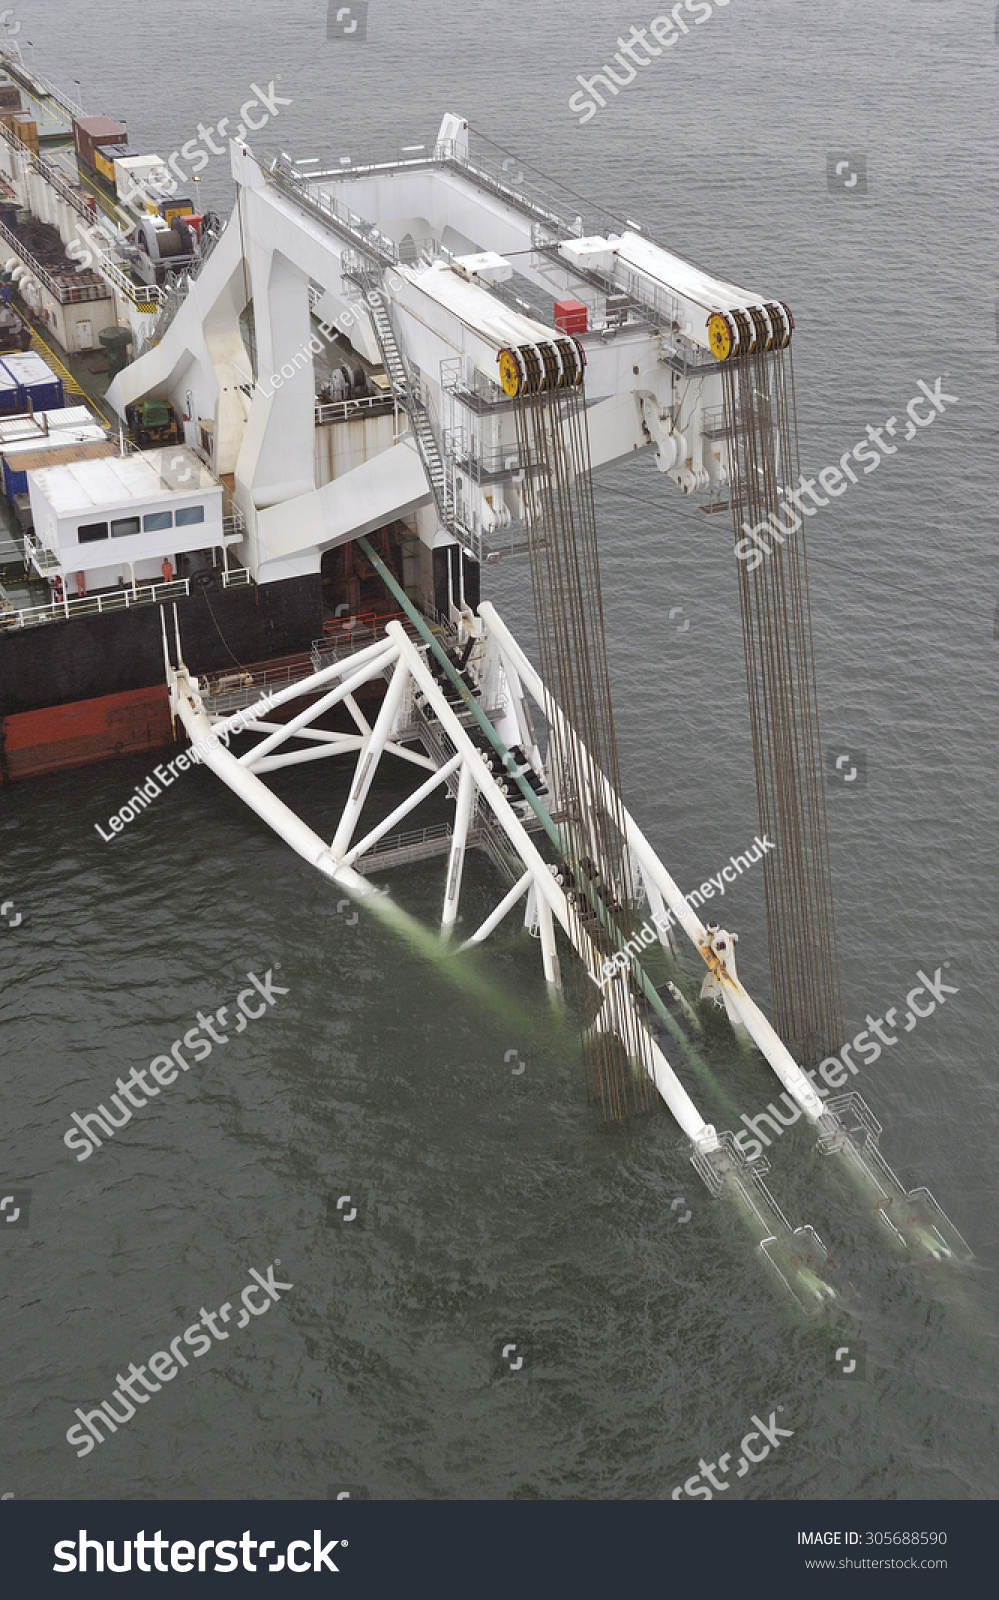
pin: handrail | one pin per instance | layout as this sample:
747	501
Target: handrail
15	143
116	599
341	410
147	299
80	201
65	293
175	296
369	239
12	53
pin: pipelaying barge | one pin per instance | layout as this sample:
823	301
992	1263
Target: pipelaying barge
342	405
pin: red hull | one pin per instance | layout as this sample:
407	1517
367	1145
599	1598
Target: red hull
35	742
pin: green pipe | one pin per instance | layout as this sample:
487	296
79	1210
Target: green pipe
420	624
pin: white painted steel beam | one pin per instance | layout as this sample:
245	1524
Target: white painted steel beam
373	669
309	685
667	1083
410	804
456	862
760	1029
332	744
496	916
368	759
245	782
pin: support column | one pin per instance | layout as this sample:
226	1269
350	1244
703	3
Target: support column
549	954
368	760
456	864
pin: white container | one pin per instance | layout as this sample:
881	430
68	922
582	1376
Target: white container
133	173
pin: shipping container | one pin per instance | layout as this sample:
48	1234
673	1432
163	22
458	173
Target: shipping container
135	174
10	393
36	382
93	133
26	129
17	464
22	126
42	440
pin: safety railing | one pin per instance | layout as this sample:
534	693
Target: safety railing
226	692
85	204
10	53
16	144
397	849
139	594
147	298
364	405
43	561
347	223
65	293
174	296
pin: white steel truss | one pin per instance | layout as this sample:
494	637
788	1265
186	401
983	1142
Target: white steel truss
497	806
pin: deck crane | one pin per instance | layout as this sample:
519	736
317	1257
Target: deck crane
523	351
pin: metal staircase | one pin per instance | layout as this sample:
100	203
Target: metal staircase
406	390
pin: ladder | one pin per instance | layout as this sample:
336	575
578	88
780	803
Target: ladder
408	393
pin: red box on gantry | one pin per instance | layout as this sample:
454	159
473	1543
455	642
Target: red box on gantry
570	316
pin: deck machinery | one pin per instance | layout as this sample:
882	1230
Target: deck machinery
524	348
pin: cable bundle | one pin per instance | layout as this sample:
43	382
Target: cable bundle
596	868
762	429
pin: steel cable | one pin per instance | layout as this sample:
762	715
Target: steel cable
783	703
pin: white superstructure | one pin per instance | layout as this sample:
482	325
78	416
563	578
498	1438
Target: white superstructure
430	268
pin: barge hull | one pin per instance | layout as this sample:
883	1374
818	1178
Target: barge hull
36	742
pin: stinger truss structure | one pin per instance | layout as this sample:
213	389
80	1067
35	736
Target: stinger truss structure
522	352
470	730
